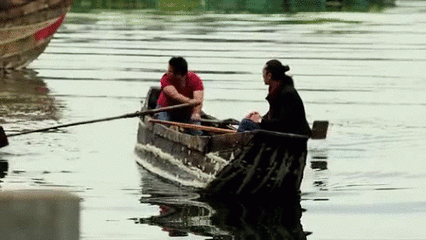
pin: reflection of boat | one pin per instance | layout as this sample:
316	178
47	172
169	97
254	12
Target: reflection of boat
24	96
250	163
182	213
319	165
4	167
26	28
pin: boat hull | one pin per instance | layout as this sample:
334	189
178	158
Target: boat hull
188	160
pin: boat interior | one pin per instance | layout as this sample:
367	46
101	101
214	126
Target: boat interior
213	125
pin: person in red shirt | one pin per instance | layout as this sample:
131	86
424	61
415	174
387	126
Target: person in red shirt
178	85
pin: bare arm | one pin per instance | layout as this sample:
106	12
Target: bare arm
173	93
199	97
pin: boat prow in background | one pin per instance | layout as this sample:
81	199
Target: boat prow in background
255	163
26	28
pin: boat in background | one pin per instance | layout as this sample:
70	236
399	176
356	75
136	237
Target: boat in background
26	28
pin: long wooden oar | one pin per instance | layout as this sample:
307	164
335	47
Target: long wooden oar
193	126
4	141
319	127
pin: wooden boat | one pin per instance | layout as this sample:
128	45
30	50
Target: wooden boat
221	164
26	28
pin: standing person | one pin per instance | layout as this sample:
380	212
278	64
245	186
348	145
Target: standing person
178	85
286	110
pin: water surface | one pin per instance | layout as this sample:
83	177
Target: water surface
363	72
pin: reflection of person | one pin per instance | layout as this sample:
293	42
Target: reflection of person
178	85
286	110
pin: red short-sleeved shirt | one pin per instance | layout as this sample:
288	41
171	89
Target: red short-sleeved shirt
194	84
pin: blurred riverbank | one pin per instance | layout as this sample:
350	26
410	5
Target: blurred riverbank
234	6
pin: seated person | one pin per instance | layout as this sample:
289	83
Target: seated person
286	110
178	85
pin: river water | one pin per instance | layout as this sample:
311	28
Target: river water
363	72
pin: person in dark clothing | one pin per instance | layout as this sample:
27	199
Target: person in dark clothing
286	110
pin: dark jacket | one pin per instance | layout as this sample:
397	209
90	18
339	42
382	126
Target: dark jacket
286	112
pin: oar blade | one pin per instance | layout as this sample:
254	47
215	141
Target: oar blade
3	138
319	129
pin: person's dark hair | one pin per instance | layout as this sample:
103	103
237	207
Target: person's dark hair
278	71
179	64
